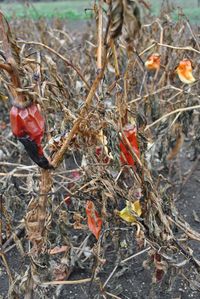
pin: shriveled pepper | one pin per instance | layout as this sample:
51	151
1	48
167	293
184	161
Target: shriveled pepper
126	156
26	120
27	124
153	62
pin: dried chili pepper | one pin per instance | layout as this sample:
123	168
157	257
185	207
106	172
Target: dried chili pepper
94	221
184	71
126	156
28	126
153	62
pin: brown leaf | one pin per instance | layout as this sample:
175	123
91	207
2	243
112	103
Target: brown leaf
132	19
57	249
116	22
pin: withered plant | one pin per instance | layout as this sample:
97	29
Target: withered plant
72	214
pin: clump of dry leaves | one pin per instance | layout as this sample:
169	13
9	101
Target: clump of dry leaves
113	129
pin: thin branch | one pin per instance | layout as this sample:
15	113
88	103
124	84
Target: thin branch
122	262
100	39
179	48
70	64
60	154
67	282
171	113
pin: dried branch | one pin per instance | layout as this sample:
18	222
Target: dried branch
83	114
11	66
100	37
171	113
66	61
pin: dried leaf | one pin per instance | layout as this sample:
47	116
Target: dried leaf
124	13
77	221
116	16
57	249
3	97
94	221
176	142
132	19
127	213
60	272
161	268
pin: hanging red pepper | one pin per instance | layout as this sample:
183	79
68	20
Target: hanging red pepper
126	156
26	120
27	125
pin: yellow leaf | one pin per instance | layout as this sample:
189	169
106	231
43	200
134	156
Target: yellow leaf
3	97
127	215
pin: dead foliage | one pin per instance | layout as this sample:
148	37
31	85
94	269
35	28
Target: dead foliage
86	110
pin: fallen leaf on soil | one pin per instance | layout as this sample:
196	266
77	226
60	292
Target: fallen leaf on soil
161	268
94	221
3	97
127	215
61	272
78	219
57	249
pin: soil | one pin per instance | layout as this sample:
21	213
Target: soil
131	281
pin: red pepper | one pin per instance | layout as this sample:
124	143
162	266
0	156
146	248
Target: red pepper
131	134
28	126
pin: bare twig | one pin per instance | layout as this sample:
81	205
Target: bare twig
171	113
122	262
67	62
59	155
67	282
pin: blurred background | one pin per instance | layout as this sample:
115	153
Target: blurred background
80	9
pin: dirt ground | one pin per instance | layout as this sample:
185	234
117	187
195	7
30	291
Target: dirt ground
132	281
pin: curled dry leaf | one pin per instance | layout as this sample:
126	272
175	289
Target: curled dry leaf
176	142
132	18
124	13
102	152
127	213
60	272
3	97
116	18
161	268
77	221
94	221
58	249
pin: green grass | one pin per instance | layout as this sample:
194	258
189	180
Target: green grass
190	9
72	10
75	9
